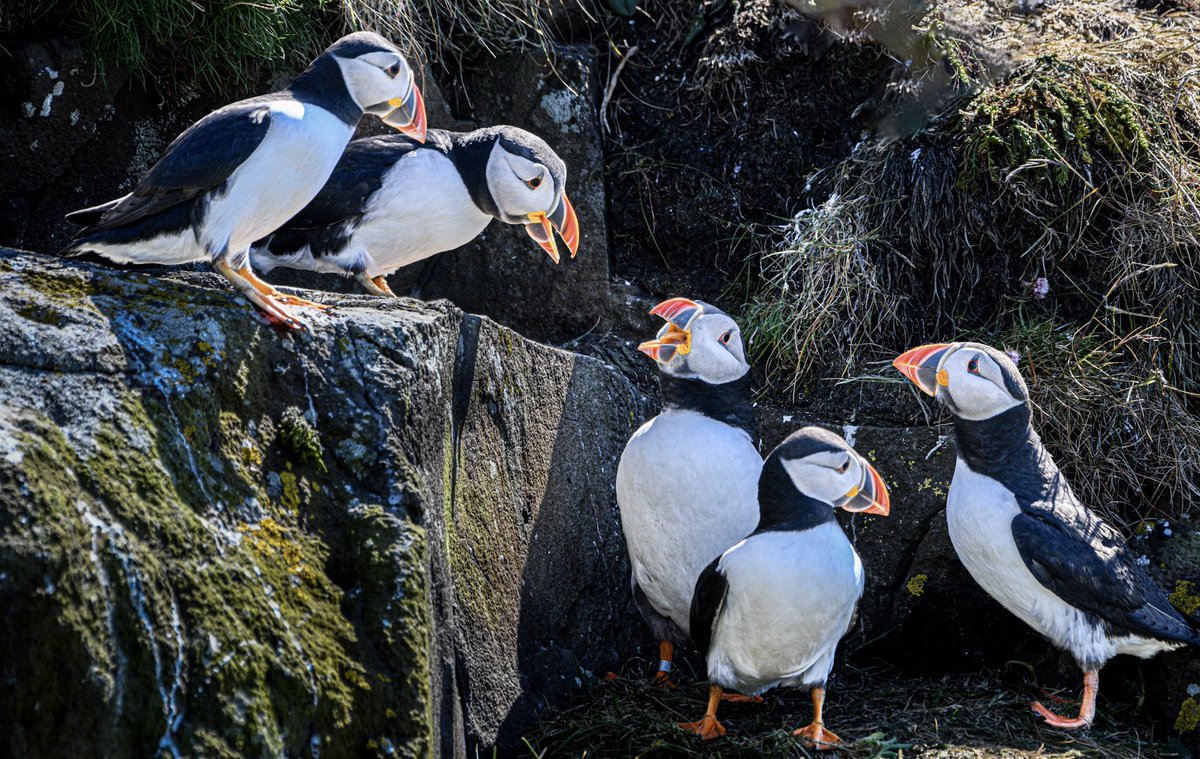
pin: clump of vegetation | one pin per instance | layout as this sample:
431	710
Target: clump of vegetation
1057	214
228	44
301	439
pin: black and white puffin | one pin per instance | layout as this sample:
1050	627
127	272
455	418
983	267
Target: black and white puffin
393	201
1025	537
770	610
240	172
687	482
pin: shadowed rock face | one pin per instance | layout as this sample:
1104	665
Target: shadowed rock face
393	535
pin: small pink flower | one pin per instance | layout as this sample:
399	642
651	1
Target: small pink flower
1041	287
1014	355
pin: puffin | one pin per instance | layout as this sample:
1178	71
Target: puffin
687	481
771	609
243	170
394	200
1025	537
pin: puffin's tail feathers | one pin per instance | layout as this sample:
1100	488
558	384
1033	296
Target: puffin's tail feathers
85	217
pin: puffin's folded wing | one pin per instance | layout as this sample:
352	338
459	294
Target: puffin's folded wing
1090	568
707	599
201	158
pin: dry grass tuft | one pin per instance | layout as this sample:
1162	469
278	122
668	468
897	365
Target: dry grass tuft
1080	173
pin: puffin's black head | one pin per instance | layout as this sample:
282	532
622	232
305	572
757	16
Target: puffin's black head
527	181
699	341
378	79
823	467
975	381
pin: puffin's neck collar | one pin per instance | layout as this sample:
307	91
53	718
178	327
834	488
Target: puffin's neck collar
1008	450
728	402
783	508
470	156
322	85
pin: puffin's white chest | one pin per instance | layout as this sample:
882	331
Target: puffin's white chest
687	487
421	208
790	599
287	170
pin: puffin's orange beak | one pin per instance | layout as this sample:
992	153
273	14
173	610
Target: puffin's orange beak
562	219
675	337
408	114
920	366
870	496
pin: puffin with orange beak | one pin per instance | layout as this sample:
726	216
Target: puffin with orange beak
771	610
687	482
1024	536
393	201
240	172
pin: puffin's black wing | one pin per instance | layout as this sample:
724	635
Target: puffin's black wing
358	175
707	599
198	160
1085	563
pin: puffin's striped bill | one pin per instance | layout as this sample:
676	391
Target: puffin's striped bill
920	365
408	114
670	340
871	495
678	311
564	220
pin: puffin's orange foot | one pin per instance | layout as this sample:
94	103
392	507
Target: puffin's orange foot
663	680
1055	720
611	676
293	300
707	728
739	698
265	288
821	737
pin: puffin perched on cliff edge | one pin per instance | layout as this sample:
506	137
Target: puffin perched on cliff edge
687	482
393	201
1024	536
240	172
770	610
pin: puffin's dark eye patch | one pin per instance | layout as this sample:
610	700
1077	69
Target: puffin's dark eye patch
393	71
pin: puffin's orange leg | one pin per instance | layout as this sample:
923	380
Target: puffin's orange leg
816	733
274	311
1087	707
708	727
269	291
666	658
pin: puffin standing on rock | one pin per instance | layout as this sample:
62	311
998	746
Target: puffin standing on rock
688	478
771	610
1025	537
393	201
240	172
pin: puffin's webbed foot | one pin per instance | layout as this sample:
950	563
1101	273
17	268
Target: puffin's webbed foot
274	312
822	738
740	698
269	291
707	728
1087	707
376	285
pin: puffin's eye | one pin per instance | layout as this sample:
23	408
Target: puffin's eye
725	338
394	70
973	365
845	465
535	182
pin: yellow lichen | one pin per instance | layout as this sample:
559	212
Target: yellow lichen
916	584
1185	598
290	498
1189	716
186	370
